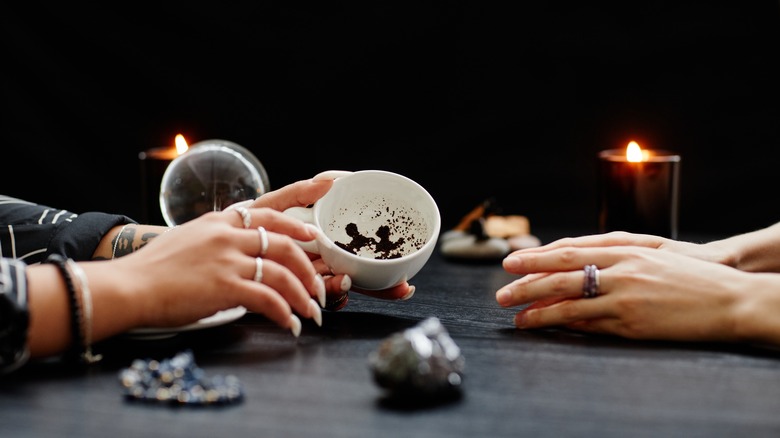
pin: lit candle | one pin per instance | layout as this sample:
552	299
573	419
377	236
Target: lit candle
639	191
154	162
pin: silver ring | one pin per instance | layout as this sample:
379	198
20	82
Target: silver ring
246	218
263	240
590	285
259	271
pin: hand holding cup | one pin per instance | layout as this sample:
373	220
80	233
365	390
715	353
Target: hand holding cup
378	227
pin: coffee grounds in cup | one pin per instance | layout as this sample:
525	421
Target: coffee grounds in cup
383	248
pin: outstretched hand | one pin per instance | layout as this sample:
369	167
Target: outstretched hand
648	288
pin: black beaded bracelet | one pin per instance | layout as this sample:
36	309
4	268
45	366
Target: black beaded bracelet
77	349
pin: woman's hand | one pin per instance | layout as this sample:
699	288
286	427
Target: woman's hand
643	293
338	286
211	263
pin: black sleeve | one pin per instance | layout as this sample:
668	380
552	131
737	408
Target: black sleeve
31	232
14	315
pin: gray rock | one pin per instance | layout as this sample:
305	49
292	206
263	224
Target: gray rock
420	361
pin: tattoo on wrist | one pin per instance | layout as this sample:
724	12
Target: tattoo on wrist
146	238
124	242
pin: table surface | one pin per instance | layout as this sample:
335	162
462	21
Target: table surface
516	383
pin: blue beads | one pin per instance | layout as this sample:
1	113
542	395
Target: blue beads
178	381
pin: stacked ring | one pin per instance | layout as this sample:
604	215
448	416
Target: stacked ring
246	218
263	240
259	270
590	285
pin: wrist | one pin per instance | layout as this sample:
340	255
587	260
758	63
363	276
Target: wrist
126	239
756	308
116	299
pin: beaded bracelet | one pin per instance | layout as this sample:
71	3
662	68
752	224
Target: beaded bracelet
81	348
75	309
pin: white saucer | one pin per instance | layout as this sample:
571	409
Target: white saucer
220	318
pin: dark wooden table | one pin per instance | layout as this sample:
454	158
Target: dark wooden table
550	383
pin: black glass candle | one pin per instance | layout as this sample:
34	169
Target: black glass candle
153	164
639	196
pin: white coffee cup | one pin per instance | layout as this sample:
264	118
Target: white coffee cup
378	227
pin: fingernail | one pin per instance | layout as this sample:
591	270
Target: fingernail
511	263
313	228
503	297
316	312
346	283
409	294
331	174
321	293
295	325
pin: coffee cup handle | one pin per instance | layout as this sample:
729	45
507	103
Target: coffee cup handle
306	214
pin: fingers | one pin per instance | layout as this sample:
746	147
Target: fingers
283	269
271	220
276	242
297	194
336	286
568	258
339	283
282	249
614	238
286	284
339	286
265	300
535	287
564	312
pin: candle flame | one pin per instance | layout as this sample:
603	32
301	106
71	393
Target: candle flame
181	144
636	154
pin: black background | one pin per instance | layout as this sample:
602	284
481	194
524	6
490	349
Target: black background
510	100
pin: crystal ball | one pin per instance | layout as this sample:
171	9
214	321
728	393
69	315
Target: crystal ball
209	176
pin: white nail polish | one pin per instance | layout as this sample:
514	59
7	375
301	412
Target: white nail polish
317	313
409	294
331	174
295	325
313	228
321	293
346	283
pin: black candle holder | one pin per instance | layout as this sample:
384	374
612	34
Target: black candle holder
639	197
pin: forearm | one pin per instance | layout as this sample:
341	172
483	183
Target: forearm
757	251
